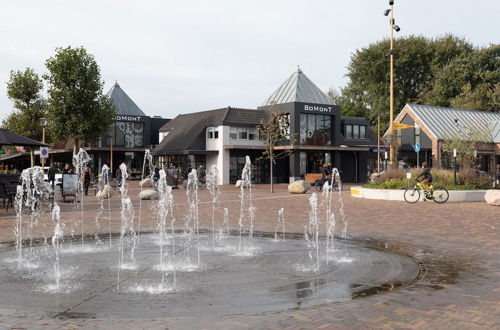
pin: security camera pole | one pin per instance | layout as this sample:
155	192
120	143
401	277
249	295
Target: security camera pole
394	145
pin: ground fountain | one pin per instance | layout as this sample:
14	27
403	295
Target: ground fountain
259	272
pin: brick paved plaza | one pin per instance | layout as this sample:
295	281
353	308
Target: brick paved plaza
457	244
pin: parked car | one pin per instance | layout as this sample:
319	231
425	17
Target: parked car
58	177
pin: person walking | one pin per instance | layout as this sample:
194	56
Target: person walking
51	175
86	180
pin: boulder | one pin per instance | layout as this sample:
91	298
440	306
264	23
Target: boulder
299	187
105	192
147	182
492	197
148	194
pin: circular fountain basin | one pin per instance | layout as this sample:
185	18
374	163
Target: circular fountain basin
254	276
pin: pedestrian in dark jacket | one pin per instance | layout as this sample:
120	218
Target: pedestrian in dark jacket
86	180
426	177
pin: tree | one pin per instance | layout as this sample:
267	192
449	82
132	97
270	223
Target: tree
24	89
276	131
469	81
416	62
77	108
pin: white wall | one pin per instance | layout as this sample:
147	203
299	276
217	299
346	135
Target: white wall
221	159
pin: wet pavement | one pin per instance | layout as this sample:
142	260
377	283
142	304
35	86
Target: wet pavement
456	246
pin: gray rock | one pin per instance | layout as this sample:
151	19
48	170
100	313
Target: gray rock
105	192
492	197
299	187
147	182
148	194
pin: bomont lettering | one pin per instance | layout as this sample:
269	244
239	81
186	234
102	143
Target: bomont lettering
317	108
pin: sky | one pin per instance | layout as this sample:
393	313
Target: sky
174	57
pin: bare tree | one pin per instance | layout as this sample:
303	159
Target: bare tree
278	141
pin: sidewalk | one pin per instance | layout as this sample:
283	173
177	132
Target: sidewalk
458	243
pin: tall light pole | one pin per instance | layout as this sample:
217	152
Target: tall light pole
43	123
393	27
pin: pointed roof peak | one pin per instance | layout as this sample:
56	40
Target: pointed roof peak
298	88
123	103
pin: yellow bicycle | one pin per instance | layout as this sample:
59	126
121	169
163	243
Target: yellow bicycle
437	194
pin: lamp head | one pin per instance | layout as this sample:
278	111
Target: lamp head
391	2
386	12
397	28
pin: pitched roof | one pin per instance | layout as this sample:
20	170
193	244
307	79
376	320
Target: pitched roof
444	123
123	103
494	127
298	88
187	132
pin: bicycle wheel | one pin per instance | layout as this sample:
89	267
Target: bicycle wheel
412	195
318	186
440	195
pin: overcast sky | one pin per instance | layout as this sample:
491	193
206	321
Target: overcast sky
176	57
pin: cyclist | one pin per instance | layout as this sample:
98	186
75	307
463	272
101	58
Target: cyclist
426	180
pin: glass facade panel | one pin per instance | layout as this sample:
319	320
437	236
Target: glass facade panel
315	129
362	132
348	131
303	128
303	163
355	131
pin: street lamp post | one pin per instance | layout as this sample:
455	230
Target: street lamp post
43	123
393	27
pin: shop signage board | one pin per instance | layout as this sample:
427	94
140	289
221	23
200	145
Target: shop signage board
69	185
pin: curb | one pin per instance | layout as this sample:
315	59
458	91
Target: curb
397	195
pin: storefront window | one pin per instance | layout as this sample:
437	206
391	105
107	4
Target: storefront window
315	129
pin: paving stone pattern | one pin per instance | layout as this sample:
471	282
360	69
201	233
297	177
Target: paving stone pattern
456	243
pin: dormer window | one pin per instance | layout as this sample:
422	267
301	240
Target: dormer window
353	131
212	133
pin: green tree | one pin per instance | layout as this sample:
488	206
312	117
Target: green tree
77	107
469	81
24	89
416	62
276	131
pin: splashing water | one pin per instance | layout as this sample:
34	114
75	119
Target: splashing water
192	218
128	237
247	210
29	194
213	189
311	233
280	223
58	234
80	161
147	167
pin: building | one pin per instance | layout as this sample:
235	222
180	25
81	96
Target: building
432	125
131	134
223	137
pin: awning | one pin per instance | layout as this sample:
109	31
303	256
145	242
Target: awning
11	156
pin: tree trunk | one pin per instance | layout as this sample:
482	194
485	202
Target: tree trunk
271	168
75	146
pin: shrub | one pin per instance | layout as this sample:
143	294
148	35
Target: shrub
467	180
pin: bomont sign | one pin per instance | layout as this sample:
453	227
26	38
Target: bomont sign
318	108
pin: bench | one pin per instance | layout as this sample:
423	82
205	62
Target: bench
312	177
